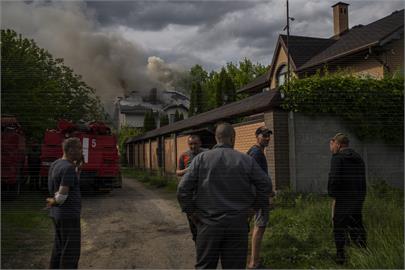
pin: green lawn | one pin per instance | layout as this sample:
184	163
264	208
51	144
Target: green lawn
300	232
26	232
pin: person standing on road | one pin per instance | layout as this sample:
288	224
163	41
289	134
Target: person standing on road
65	206
217	193
194	144
262	216
347	187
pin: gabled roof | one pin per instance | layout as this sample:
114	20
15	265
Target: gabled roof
359	38
302	49
248	106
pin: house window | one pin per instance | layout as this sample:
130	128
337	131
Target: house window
171	118
281	75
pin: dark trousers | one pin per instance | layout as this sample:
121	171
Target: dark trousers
66	247
226	242
193	228
348	221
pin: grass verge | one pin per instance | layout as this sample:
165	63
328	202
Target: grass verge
27	233
300	232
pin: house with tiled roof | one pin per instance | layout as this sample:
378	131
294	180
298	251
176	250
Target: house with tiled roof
375	49
298	155
130	110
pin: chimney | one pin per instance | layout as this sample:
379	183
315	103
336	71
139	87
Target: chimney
340	18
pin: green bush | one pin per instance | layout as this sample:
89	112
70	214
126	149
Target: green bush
370	107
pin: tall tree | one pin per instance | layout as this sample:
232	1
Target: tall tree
164	120
39	89
149	122
197	98
198	73
225	89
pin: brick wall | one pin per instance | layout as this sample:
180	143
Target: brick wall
395	55
170	158
278	151
142	155
135	155
147	155
154	156
245	136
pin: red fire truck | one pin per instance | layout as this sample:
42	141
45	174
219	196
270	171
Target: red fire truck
13	155
101	170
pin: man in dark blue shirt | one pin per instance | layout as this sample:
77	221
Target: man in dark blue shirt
65	206
261	216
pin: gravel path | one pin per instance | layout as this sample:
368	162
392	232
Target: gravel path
135	227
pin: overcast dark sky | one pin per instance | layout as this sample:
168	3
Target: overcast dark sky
212	33
215	32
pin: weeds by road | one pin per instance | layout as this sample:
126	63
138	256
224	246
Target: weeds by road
26	232
300	231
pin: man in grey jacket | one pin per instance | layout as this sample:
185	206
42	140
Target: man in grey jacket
220	190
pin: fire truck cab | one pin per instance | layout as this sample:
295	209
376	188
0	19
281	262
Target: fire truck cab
101	170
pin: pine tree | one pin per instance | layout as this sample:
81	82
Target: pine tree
164	120
149	122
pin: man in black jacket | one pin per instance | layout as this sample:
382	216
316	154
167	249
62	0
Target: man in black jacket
217	193
347	186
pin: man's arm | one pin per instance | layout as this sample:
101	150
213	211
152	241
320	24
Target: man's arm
187	187
263	186
334	180
61	195
181	172
181	167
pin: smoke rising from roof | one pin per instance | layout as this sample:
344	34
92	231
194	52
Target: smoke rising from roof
107	61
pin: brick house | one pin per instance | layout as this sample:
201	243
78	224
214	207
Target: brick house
374	49
298	155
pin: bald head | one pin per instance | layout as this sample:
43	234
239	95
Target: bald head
225	134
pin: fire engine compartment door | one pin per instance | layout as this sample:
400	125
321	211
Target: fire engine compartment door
86	149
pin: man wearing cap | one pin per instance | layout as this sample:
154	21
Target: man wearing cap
261	216
347	187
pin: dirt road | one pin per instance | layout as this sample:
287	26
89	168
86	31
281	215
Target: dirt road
135	227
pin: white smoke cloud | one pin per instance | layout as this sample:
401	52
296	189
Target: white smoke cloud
165	73
107	61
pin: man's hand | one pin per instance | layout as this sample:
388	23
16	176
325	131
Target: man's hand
194	219
251	213
180	173
50	202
